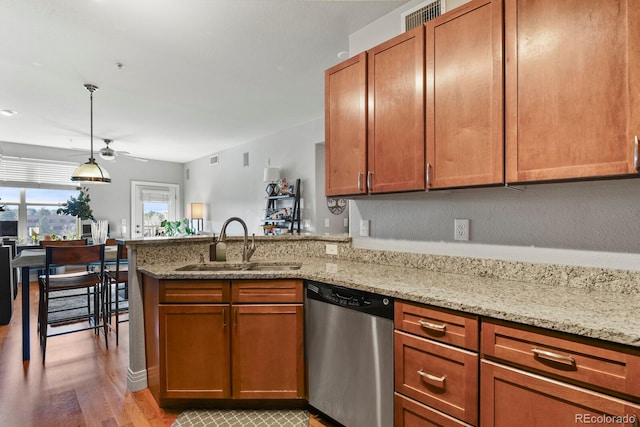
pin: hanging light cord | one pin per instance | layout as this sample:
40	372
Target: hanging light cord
91	88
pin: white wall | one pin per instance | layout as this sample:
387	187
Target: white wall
108	201
231	189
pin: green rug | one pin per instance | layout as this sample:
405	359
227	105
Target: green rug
242	418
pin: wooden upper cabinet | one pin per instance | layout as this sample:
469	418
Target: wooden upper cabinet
346	127
572	88
396	114
464	80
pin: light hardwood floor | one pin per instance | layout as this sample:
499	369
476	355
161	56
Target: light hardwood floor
82	383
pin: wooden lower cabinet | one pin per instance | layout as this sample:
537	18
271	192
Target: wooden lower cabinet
204	339
195	346
267	347
511	397
409	413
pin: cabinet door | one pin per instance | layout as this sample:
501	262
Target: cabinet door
572	88
346	127
396	159
268	358
510	397
194	351
464	121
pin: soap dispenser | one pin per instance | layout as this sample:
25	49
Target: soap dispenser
217	250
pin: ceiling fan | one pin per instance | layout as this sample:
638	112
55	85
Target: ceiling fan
108	153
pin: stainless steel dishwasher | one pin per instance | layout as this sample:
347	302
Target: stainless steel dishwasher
349	346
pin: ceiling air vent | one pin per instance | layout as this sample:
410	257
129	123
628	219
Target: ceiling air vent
214	160
423	13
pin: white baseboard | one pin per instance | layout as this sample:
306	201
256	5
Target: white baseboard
137	381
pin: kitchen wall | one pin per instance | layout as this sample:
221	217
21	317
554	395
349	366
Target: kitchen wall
112	201
231	189
588	223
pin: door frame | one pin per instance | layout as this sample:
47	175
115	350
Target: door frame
137	186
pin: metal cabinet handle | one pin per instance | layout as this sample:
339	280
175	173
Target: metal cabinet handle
432	377
554	357
428	177
224	318
636	155
359	180
433	326
369	175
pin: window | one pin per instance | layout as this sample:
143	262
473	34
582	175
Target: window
41	213
35	210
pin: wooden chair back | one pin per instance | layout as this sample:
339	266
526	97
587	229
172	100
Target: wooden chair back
79	242
122	252
75	255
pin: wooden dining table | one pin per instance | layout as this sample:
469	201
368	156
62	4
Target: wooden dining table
36	259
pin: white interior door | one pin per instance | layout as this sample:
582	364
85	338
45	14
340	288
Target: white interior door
151	204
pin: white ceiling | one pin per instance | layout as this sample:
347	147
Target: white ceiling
198	76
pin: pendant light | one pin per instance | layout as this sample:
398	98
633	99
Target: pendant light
91	172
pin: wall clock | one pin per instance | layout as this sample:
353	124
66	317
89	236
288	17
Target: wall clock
336	206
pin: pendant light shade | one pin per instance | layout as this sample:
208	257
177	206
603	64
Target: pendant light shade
91	172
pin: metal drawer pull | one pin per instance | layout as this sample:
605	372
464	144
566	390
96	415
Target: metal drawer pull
554	357
636	161
224	318
369	175
432	377
435	327
359	181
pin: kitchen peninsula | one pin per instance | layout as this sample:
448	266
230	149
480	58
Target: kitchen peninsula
591	304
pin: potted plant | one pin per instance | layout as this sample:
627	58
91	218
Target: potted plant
177	228
78	207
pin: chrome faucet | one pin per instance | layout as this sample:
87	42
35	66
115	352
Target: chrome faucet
247	250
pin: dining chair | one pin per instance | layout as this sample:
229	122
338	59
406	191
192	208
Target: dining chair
44	244
84	267
118	277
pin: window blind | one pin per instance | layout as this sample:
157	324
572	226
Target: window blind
24	172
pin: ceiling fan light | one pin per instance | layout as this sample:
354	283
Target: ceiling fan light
91	172
107	154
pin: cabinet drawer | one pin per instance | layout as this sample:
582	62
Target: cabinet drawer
437	375
605	366
511	397
258	291
438	324
194	291
409	413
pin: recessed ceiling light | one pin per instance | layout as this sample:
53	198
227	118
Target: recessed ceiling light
8	113
343	54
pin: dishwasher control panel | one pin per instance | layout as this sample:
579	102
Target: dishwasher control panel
378	305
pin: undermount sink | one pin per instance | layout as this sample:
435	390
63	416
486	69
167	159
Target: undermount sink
242	266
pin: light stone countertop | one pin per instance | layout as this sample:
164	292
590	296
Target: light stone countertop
594	313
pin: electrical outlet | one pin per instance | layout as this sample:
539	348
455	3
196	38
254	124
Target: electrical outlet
327	223
306	224
331	249
346	222
364	227
461	229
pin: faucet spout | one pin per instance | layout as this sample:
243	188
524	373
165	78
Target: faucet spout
247	250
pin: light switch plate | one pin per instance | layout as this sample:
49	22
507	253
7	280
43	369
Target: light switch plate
364	227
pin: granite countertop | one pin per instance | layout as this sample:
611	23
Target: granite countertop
594	313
